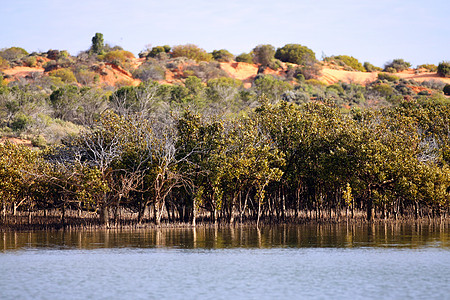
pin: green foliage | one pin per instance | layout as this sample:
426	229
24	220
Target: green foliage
388	77
222	55
263	54
13	53
371	68
150	70
446	89
86	77
428	67
315	82
97	44
39	141
192	52
443	69
30	61
205	71
118	57
224	90
267	87
384	89
156	51
20	122
349	62
397	65
296	54
66	75
79	105
4	64
245	57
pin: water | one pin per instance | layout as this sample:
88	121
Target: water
399	261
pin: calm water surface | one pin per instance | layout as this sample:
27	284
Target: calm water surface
392	261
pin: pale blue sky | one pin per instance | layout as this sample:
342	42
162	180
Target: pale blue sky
374	31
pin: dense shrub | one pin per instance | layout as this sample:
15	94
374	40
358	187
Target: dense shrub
85	76
388	77
397	65
205	71
384	90
150	70
4	64
429	67
443	69
66	75
245	57
118	57
97	43
157	50
192	52
433	84
263	54
295	53
446	90
222	55
404	89
30	61
13	53
315	82
20	122
349	62
371	68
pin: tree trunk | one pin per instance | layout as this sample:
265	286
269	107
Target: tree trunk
104	215
63	215
194	211
159	209
370	208
4	211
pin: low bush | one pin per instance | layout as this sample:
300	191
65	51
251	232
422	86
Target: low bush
446	90
118	57
347	61
443	69
150	70
13	53
428	67
66	75
384	90
433	84
315	82
4	64
388	77
30	61
245	57
263	54
20	122
157	50
86	77
192	52
397	65
205	71
222	55
371	68
295	53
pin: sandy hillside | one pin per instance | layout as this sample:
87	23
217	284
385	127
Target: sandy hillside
112	74
331	76
21	72
241	71
411	74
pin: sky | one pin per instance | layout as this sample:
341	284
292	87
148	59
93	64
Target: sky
374	31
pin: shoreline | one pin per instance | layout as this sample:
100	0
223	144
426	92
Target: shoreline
182	225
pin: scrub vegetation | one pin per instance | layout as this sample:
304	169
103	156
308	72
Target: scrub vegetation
212	150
